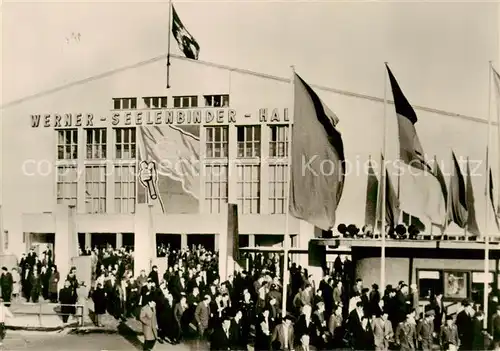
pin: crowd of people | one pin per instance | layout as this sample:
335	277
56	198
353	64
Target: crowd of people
188	301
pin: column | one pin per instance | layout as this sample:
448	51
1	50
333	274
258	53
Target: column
232	171
110	171
264	169
144	250
184	241
88	240
66	239
81	205
216	243
251	240
119	240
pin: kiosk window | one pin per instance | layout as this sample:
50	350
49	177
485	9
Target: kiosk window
478	279
429	282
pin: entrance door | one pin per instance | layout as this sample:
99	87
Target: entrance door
102	240
205	240
172	240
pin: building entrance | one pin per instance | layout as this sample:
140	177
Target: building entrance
205	240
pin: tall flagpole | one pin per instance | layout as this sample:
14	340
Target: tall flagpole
383	188
486	210
286	240
168	41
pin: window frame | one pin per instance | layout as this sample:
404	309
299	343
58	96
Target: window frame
255	144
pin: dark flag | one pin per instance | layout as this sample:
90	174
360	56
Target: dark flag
472	226
391	203
492	201
457	206
187	43
372	188
317	159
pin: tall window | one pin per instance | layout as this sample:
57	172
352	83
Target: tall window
95	188
217	141
67	180
125	143
96	143
156	102
185	101
278	174
67	144
248	188
216	100
125	103
125	183
278	145
216	180
248	141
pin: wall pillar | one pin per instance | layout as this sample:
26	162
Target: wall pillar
184	241
144	250
66	239
251	240
88	240
119	240
216	243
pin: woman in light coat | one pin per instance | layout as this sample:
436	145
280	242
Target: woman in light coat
16	283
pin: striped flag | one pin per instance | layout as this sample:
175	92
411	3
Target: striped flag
438	173
472	226
317	159
420	191
187	43
457	200
392	205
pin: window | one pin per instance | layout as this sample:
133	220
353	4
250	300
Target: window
67	180
278	145
185	101
215	187
278	174
478	279
216	100
96	143
216	142
156	102
67	144
125	144
248	188
95	189
429	283
248	141
125	183
125	103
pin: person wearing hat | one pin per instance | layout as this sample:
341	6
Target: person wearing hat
425	331
283	335
220	340
448	337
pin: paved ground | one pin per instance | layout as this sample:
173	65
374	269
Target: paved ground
44	341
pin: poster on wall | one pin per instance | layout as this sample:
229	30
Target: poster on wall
455	285
169	168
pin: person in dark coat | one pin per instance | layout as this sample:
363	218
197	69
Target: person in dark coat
221	338
438	306
364	339
153	275
495	325
66	297
161	314
6	284
99	298
480	338
53	283
464	326
36	285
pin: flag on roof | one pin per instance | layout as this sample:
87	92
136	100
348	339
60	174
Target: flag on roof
187	43
472	226
457	201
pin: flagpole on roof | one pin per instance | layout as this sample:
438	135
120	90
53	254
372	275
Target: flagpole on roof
486	193
168	41
383	179
286	239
